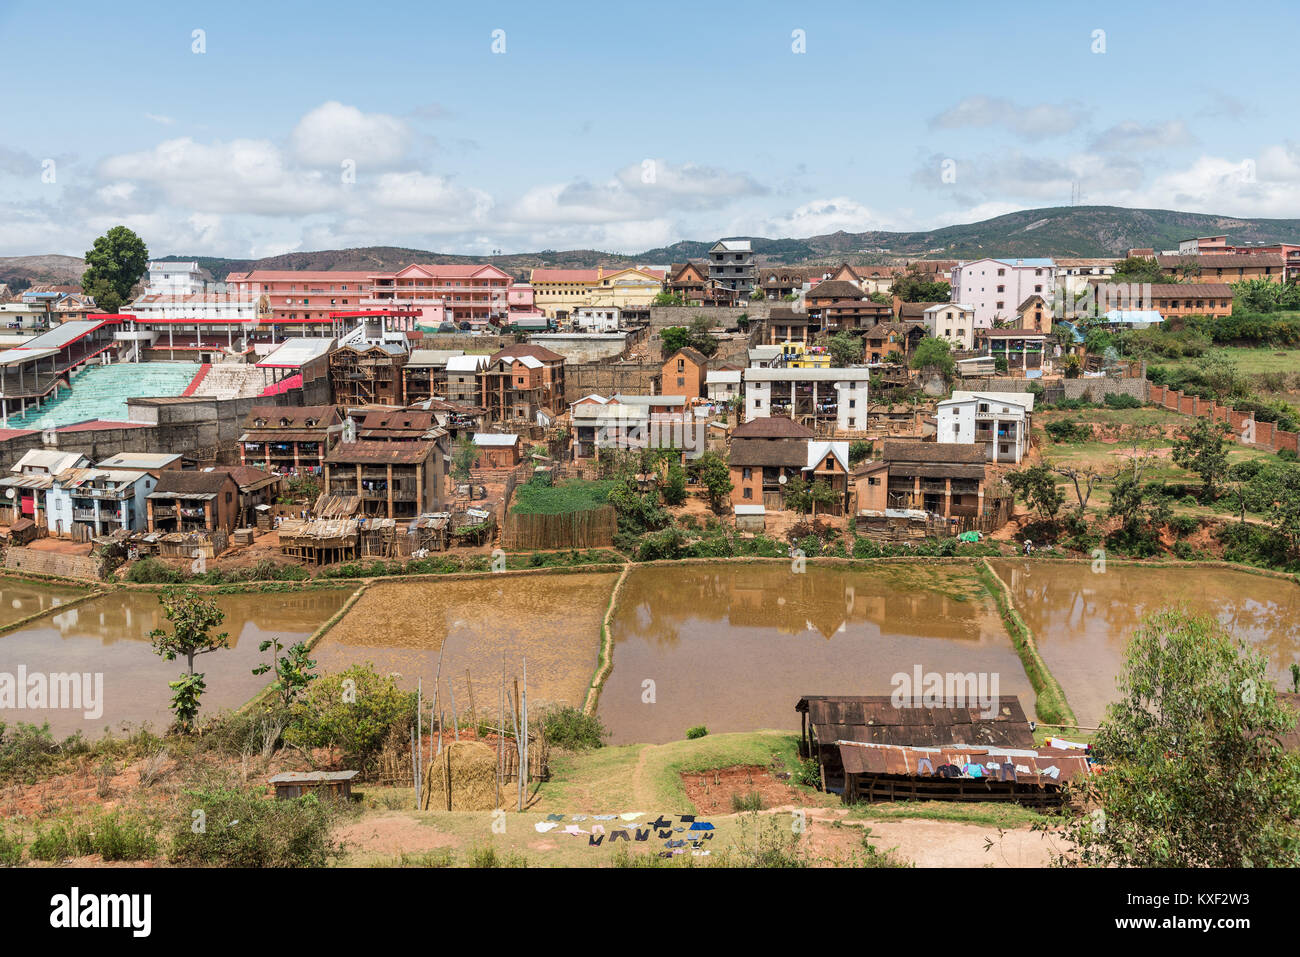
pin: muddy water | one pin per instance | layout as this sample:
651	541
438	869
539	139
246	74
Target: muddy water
110	635
551	621
733	647
19	598
1083	620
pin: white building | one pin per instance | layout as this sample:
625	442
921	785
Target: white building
817	398
1074	275
597	318
995	287
953	321
722	385
175	279
999	420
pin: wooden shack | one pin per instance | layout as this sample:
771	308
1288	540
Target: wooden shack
826	720
293	784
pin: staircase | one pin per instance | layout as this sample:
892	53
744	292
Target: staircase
231	380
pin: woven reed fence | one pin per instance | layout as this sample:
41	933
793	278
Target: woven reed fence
594	528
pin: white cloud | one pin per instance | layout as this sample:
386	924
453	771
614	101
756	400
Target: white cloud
158	118
1130	136
1032	121
334	132
823	216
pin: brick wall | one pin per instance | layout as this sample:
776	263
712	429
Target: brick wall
1241	424
52	563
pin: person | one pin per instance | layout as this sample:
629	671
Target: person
1029	546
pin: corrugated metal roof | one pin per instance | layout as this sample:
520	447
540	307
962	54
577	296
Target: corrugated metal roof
868	758
875	718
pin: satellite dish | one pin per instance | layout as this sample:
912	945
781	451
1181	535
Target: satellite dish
9	493
781	480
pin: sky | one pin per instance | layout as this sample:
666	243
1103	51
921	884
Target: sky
253	129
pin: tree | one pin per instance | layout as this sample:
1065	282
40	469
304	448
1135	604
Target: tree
1203	448
859	451
915	286
463	457
1138	269
1037	488
192	619
1085	480
114	264
932	353
1141	516
1196	774
668	299
675	488
716	479
845	349
294	671
798	497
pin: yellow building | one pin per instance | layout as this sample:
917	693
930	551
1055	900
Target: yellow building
558	292
796	355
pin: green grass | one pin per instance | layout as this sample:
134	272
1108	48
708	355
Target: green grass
576	495
1001	814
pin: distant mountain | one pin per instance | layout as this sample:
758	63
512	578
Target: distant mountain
1083	231
19	272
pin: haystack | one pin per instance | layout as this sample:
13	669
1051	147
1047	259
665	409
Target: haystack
471	767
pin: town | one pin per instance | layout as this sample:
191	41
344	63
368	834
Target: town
783	438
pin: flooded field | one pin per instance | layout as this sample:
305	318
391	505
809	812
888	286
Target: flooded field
1083	620
110	635
733	647
20	598
552	620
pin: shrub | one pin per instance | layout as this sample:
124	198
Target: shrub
698	731
1287	455
11	849
154	571
1183	525
574	729
115	836
243	828
753	801
1122	400
352	711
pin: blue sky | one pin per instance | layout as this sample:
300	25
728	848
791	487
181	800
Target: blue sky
622	126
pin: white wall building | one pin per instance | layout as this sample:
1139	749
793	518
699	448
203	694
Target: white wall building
995	287
597	318
175	279
814	397
998	420
722	385
953	321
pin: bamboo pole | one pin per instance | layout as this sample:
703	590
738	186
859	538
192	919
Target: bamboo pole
419	739
523	771
514	717
454	722
469	683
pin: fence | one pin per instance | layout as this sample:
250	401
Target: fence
594	528
1242	425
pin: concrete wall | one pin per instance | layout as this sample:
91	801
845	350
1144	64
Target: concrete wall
463	341
662	317
582	347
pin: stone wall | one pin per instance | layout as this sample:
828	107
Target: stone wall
1096	390
463	341
52	563
607	378
661	317
583	347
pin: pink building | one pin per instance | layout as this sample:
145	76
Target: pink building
477	294
997	287
301	301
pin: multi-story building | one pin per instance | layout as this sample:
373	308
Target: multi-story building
289	440
997	421
558	293
176	279
682	373
480	295
1226	267
367	374
953	321
1072	275
522	384
89	502
302	300
391	479
1169	299
945	479
1022	350
994	287
731	265
193	502
824	400
767	453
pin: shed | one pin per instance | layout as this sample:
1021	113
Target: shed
22	531
750	518
292	784
875	719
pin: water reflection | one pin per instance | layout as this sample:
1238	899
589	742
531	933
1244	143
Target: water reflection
733	646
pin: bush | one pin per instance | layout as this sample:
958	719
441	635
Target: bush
352	711
574	729
243	828
115	836
1287	455
154	571
699	731
753	801
1183	525
11	849
1122	400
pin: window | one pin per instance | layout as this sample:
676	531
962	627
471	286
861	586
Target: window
747	493
681	380
746	473
1002	288
758	403
830	462
853	403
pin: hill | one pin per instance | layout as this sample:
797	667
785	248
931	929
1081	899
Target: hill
1056	231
